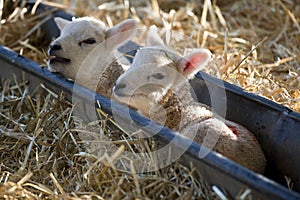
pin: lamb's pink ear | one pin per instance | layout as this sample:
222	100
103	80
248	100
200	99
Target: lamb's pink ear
121	33
192	63
61	23
153	39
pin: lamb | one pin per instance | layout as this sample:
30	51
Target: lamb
163	95
84	51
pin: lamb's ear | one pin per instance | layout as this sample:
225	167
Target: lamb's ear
153	39
192	63
122	32
61	23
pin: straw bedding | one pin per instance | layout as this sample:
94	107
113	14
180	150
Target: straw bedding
42	155
256	46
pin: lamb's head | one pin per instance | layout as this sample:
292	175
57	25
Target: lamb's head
155	70
79	37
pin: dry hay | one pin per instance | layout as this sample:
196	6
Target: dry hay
256	46
255	43
42	156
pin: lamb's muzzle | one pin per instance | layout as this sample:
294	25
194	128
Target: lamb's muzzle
54	57
118	89
54	47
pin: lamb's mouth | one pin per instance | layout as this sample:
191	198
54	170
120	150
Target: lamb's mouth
59	59
126	98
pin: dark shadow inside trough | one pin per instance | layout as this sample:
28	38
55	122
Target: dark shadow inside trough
276	127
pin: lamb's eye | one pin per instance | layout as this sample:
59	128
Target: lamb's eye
158	76
88	41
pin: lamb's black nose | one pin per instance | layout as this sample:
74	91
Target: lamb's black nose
55	46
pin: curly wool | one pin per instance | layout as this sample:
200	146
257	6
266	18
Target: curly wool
108	79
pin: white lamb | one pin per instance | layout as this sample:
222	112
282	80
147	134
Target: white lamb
85	36
157	85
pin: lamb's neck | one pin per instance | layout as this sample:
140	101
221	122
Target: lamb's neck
108	78
170	109
176	110
100	75
182	93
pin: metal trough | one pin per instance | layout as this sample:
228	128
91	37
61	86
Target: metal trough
276	127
